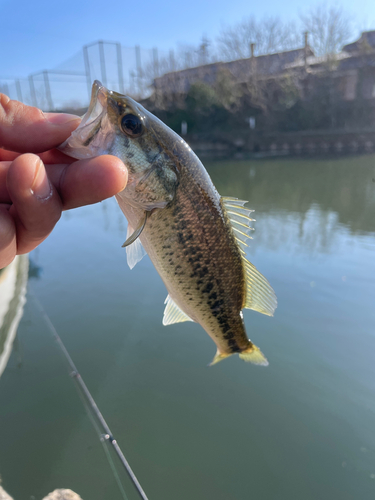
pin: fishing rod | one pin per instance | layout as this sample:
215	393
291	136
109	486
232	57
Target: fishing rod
92	406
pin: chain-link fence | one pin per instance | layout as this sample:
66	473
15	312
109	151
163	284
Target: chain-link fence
68	85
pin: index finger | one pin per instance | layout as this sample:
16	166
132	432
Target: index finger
27	129
51	156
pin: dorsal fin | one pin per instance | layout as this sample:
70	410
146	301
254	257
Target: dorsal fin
134	252
240	219
173	314
259	293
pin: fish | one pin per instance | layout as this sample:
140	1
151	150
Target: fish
195	238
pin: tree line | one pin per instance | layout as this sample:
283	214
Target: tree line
329	27
294	101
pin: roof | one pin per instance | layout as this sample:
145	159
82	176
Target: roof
316	61
269	64
367	38
345	61
241	69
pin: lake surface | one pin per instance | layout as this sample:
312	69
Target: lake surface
302	428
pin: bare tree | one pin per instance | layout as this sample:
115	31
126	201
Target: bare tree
269	34
329	27
186	56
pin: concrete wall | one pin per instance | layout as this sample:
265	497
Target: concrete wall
290	144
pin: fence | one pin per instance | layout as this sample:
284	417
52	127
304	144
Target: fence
68	85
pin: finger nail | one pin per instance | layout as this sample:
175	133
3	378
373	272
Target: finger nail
125	174
4	99
41	187
61	118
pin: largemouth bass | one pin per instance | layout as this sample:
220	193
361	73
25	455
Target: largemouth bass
194	237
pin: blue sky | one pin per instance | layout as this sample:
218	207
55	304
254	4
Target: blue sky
37	35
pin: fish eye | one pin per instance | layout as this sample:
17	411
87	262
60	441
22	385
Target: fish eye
132	125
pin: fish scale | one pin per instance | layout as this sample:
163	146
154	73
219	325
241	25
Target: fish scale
193	249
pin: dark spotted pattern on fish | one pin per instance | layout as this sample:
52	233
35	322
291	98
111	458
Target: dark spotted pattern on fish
200	262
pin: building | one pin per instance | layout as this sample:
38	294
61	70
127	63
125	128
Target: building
242	70
297	102
353	70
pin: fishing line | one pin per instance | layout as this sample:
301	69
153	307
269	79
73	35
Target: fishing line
92	408
104	439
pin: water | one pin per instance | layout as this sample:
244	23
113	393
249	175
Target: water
301	428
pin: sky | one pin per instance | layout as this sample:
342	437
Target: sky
39	34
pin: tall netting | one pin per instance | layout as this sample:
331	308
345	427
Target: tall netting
129	70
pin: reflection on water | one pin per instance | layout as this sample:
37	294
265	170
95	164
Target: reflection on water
343	189
302	428
13	280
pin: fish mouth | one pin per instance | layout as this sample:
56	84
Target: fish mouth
98	104
81	142
101	99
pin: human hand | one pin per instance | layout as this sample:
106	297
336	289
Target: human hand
36	186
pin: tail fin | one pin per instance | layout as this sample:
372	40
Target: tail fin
218	357
254	355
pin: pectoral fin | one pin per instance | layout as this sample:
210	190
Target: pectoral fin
137	231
